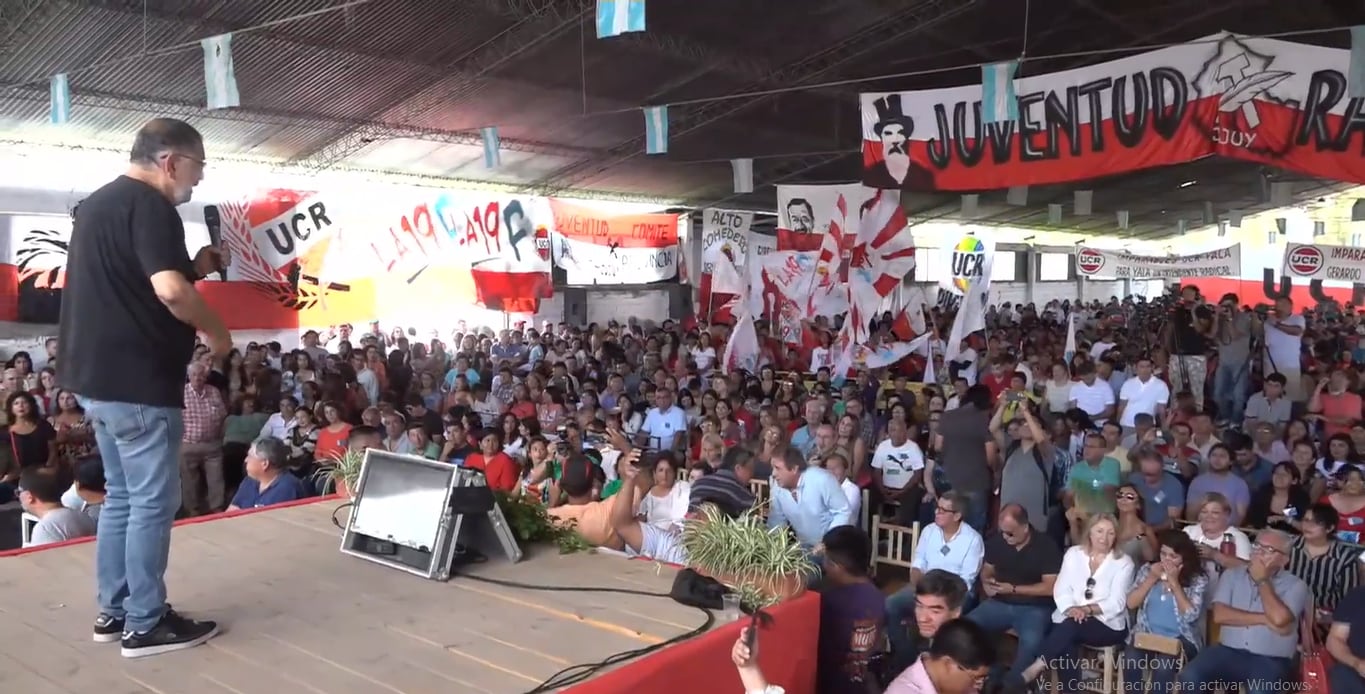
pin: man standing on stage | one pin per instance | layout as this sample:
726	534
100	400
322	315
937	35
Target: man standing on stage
129	315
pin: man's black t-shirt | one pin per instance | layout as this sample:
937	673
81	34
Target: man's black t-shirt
117	341
1024	566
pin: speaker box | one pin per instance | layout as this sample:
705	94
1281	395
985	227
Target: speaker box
419	516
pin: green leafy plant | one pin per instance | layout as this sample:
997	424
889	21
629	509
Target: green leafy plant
763	565
530	522
344	468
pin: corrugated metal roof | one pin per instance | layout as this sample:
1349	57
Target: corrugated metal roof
404	84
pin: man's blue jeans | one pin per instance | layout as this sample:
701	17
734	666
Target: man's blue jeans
1232	666
140	446
1231	382
1029	622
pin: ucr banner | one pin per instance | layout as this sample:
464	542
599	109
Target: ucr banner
1262	100
1096	262
1340	263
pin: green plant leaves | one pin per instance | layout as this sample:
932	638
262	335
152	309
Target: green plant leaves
755	560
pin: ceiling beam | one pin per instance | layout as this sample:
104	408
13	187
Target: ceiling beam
154	106
550	21
919	17
17	20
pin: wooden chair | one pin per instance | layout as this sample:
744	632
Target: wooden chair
761	495
1110	677
865	512
889	544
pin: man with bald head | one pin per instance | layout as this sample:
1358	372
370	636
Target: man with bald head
1258	607
1017	574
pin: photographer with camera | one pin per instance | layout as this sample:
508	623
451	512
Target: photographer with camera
1233	330
1189	328
1284	347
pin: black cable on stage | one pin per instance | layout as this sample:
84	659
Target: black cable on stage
574	674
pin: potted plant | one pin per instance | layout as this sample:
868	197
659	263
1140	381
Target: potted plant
344	469
765	566
531	524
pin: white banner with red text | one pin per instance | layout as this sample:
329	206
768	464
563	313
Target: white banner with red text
1262	100
1319	262
1110	264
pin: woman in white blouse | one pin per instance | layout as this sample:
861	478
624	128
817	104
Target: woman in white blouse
1091	593
666	503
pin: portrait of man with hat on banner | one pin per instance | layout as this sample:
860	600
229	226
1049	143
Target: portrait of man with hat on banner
895	171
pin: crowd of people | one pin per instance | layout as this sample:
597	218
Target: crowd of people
1193	469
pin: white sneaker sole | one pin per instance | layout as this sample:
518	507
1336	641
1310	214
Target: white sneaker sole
146	651
108	638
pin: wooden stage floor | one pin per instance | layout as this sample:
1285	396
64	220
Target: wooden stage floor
299	616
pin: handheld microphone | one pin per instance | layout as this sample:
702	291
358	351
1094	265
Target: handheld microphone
215	226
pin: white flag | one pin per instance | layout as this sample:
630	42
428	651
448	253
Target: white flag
220	81
971	316
743	171
1070	350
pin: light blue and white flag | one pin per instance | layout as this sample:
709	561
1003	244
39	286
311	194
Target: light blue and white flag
220	81
999	104
492	147
656	129
1356	80
743	171
616	17
60	92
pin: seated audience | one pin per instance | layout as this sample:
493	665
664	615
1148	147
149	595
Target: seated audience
1091	594
1347	645
1328	565
723	490
41	496
1219	478
938	597
1017	579
87	494
268	481
1168	596
1280	503
1163	496
666	502
1257	607
573	503
500	473
1349	502
1220	545
808	499
852	621
948	544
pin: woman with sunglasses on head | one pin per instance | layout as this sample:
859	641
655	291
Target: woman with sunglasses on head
1168	595
1091	594
1135	538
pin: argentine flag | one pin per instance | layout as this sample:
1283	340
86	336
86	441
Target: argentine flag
616	17
492	152
999	104
220	82
60	91
1356	80
656	129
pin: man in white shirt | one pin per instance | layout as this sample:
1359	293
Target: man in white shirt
898	472
665	426
1284	347
1091	395
366	378
1142	394
281	424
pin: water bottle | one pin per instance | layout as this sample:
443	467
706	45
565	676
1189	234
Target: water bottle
1229	546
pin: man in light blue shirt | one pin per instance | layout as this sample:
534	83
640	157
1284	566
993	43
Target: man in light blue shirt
947	544
809	499
803	439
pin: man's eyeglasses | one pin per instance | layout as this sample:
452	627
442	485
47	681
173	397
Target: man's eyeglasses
1090	588
944	509
197	160
1266	549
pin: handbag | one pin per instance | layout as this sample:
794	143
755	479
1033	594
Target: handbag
1314	660
1165	645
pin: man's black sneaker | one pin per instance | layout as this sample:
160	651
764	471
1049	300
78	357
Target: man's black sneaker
172	633
108	629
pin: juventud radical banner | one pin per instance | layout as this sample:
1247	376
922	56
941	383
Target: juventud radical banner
1095	262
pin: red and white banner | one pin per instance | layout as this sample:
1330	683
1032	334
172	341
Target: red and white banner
597	248
1095	262
1262	100
725	241
1314	261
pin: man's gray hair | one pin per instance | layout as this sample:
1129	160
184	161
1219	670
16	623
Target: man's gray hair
195	367
271	450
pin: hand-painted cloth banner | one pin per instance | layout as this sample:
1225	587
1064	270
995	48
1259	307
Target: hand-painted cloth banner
1096	262
1262	100
594	247
724	257
1340	263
